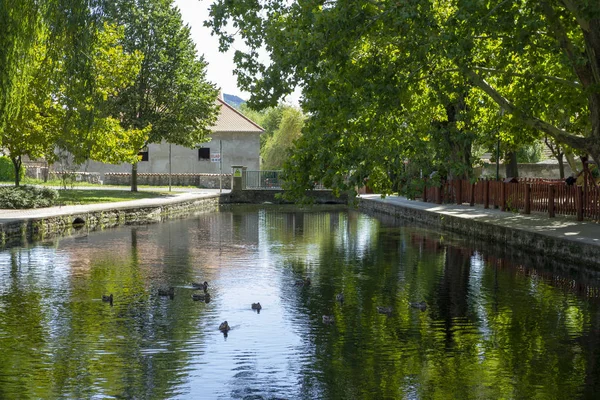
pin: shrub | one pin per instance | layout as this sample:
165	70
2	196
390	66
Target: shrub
27	197
7	170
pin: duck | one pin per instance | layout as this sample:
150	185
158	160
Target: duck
256	306
108	299
340	297
203	297
328	319
384	310
224	327
303	282
203	286
421	305
166	292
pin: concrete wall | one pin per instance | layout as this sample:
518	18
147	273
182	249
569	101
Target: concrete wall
270	196
239	148
210	181
546	171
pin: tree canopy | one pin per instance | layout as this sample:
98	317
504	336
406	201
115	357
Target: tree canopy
171	93
386	81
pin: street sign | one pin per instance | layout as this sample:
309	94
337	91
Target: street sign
215	157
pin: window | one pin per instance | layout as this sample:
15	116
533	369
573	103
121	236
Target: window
204	154
143	155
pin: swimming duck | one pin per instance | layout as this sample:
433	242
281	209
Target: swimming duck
203	297
256	306
328	319
384	310
224	327
107	298
340	297
421	305
303	282
203	286
166	292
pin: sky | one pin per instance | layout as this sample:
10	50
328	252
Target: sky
220	65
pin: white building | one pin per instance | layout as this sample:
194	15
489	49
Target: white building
235	138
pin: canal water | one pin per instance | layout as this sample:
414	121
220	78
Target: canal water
493	324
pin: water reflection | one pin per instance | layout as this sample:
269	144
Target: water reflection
496	324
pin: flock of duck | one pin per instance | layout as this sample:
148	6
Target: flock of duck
204	296
224	326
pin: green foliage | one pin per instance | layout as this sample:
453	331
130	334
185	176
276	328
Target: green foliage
7	169
277	146
170	96
27	197
530	154
423	81
171	93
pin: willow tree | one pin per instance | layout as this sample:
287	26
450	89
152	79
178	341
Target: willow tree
170	94
21	22
378	75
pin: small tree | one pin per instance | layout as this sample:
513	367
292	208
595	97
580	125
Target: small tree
171	94
49	118
275	151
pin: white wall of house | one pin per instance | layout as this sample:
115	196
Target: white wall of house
239	148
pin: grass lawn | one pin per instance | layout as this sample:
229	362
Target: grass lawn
82	196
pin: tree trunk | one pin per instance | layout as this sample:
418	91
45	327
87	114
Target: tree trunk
510	164
17	163
134	187
561	166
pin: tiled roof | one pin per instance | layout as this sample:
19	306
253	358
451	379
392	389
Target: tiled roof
231	120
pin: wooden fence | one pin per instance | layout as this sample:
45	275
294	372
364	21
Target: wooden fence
554	197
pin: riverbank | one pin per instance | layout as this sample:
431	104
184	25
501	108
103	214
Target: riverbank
38	224
562	237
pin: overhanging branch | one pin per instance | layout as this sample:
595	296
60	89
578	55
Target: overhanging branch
560	135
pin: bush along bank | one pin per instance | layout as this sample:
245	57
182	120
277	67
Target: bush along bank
18	197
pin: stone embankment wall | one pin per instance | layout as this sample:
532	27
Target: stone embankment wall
549	246
208	181
271	196
26	230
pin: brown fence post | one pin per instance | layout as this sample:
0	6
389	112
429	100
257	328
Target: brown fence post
459	191
486	194
551	201
579	203
440	195
425	191
527	198
472	202
503	196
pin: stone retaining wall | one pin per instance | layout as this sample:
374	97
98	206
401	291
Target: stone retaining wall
270	196
208	181
558	248
26	230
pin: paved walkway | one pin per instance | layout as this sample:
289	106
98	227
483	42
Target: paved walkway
567	228
175	197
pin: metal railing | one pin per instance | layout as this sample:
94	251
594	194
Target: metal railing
268	180
265	180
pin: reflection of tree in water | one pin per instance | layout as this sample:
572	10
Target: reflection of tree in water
59	340
492	334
